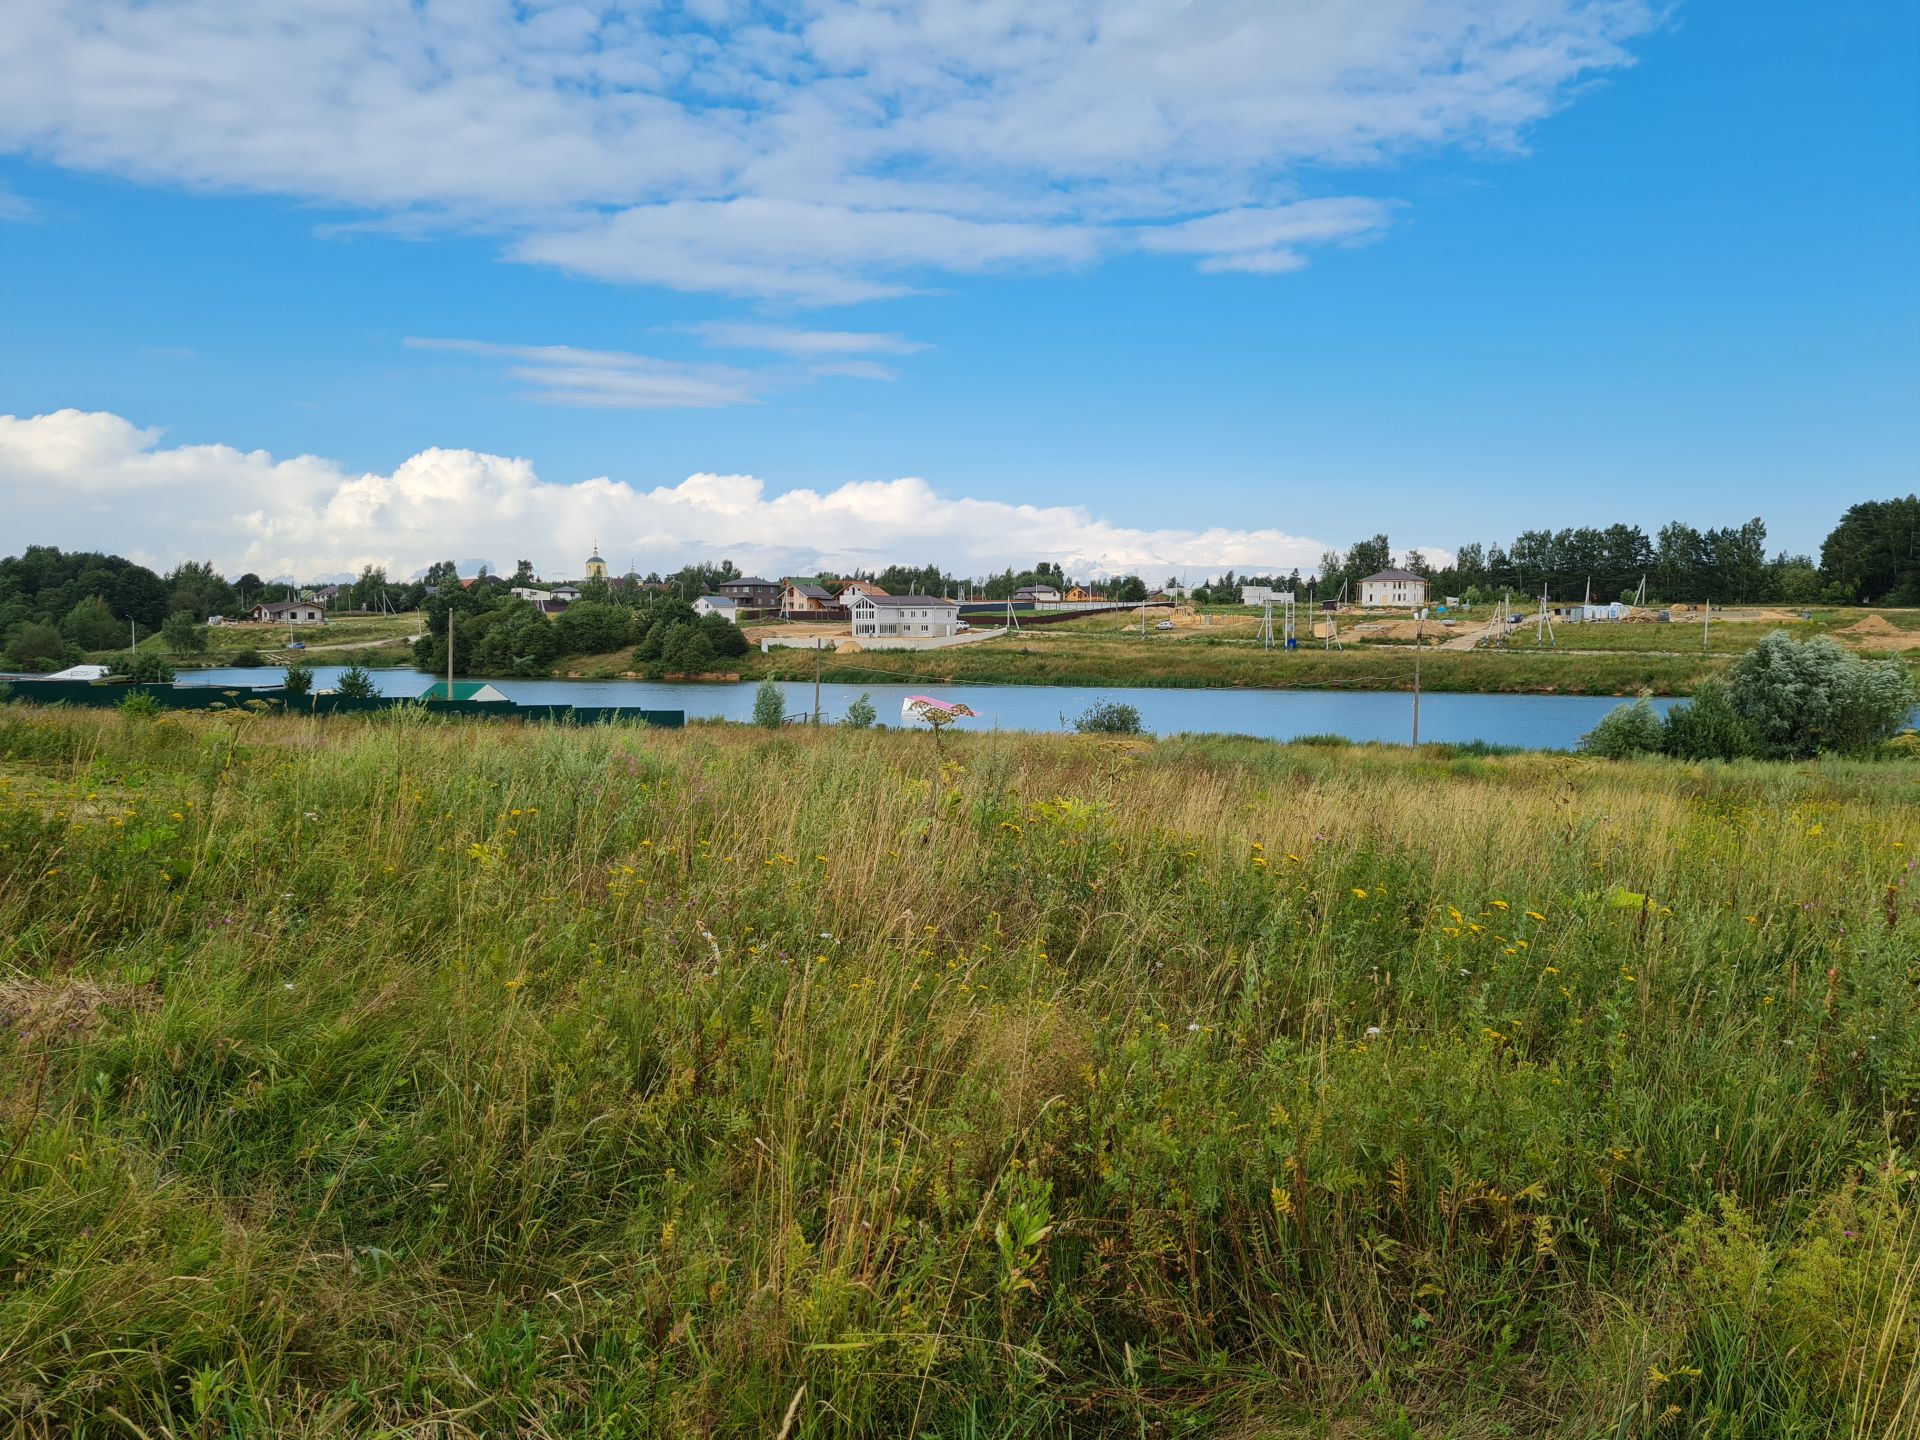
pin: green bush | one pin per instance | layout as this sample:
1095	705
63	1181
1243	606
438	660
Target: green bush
36	646
140	705
247	659
1625	731
1108	717
769	706
861	714
299	679
356	683
1707	727
1801	698
147	667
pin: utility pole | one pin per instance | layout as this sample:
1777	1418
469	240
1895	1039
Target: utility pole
1706	620
816	679
449	651
1419	632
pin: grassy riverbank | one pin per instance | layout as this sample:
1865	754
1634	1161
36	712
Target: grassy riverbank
1070	658
391	1077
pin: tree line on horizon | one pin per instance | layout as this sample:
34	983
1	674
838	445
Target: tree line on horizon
56	606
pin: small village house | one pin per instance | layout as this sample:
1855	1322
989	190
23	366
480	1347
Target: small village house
1036	595
290	612
1080	593
851	588
1393	588
905	616
1263	595
802	598
725	606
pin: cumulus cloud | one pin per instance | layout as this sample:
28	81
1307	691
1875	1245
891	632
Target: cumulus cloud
98	481
820	151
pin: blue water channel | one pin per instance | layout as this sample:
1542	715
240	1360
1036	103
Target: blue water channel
1534	721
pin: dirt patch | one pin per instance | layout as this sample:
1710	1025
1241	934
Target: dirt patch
33	1010
1873	625
1405	630
847	647
1899	640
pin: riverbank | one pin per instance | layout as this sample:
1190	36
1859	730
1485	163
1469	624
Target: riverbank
385	1078
1083	660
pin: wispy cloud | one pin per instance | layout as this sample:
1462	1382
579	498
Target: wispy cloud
619	380
16	207
814	151
97	480
805	344
608	379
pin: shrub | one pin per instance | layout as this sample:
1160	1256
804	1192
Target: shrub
147	667
688	651
769	706
861	714
248	659
299	679
356	683
1108	717
1625	731
1327	741
1800	698
35	646
140	705
1707	727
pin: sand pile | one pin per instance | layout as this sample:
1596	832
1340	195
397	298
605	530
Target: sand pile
847	647
1873	625
1902	640
1406	630
1767	617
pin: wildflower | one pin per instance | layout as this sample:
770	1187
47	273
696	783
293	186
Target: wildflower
1373	1030
1358	893
1294	858
1498	904
1815	830
1535	915
1193	1027
1552	970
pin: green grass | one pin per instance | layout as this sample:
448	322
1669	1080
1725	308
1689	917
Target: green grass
393	1077
1044	658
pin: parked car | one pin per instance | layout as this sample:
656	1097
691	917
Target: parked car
1164	625
296	645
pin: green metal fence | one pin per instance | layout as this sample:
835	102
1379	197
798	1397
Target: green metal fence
222	697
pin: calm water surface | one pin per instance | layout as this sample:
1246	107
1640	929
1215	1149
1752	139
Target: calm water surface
1538	721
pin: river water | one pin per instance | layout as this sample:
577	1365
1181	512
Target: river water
1534	721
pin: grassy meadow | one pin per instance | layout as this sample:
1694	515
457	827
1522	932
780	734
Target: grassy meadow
399	1077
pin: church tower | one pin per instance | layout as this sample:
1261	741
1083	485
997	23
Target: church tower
596	567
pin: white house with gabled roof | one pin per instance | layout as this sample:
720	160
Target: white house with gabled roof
914	616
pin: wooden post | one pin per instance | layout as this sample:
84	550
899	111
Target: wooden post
1419	634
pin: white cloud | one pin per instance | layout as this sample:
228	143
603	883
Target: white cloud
97	481
617	380
15	206
806	344
1267	240
822	151
609	379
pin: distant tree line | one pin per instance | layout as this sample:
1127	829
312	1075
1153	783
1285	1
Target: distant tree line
58	606
1872	556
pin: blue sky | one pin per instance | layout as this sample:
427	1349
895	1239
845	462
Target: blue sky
1642	266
